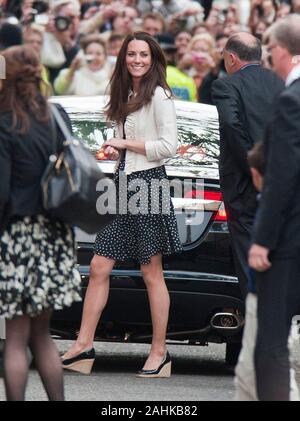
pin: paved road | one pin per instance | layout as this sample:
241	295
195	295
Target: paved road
199	374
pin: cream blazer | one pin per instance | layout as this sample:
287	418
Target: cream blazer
155	124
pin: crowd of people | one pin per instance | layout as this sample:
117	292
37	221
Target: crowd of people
78	41
144	53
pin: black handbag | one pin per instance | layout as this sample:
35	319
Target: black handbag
70	183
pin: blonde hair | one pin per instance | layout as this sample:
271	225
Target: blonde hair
34	28
207	38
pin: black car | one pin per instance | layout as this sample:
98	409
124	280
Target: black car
206	304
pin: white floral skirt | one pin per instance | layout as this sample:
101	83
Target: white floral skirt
37	267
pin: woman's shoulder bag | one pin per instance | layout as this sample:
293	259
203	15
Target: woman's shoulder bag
70	186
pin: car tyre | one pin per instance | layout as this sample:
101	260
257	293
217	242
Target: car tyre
232	353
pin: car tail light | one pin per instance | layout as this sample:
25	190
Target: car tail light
221	215
214	196
206	195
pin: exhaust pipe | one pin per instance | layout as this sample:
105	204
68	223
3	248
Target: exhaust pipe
226	322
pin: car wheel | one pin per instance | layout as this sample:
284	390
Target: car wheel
232	353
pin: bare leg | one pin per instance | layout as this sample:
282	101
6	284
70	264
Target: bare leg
46	356
159	305
94	303
16	357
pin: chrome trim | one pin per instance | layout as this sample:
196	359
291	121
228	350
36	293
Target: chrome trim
184	275
235	318
196	172
195	204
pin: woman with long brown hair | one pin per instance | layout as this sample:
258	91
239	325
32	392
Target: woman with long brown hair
37	254
142	107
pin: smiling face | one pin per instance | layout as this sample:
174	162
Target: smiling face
138	59
96	54
153	26
182	42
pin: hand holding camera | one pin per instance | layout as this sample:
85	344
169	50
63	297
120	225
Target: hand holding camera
80	60
77	62
62	23
112	10
36	12
193	11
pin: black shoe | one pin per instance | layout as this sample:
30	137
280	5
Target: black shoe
164	370
82	363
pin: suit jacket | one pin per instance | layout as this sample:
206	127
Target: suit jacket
243	100
277	225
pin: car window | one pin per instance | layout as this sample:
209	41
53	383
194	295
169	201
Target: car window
198	134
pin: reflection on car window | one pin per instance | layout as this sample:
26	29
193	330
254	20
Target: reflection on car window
198	134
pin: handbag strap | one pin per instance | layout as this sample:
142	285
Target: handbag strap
53	131
61	124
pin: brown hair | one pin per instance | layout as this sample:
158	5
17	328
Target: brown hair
90	39
157	17
21	90
119	107
256	158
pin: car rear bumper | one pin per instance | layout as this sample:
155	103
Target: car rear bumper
196	301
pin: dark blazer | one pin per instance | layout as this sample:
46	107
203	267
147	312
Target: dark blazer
23	160
244	101
277	225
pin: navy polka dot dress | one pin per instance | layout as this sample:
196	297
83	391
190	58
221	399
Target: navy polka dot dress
149	225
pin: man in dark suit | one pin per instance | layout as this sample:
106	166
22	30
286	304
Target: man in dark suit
275	254
243	100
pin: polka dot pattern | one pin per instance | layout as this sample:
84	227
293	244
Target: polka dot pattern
152	230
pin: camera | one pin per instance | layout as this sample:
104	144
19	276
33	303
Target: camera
41	19
40	7
260	10
88	58
181	22
222	16
62	23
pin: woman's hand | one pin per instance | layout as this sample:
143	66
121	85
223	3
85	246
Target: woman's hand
116	143
111	153
76	62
